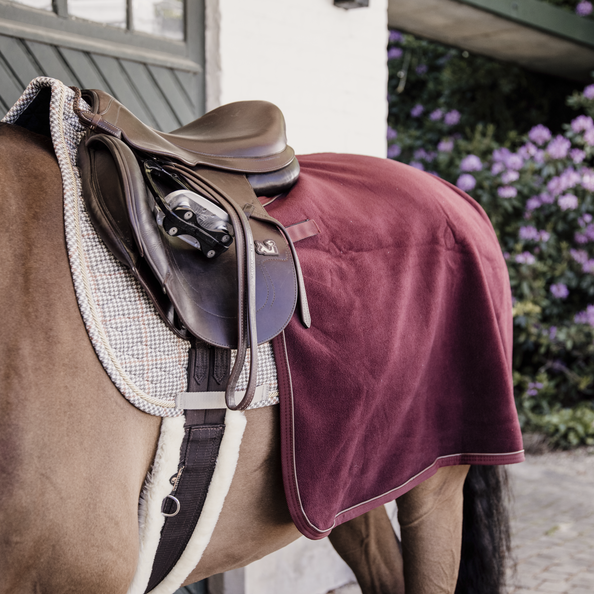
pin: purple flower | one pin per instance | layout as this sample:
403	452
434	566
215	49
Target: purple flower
584	8
395	37
589	92
552	332
497	168
539	134
559	290
587	179
471	163
588	266
580	256
525	258
513	161
394	151
466	182
577	155
417	165
558	147
510	176
391	134
586	316
446	146
417	110
589	137
507	192
394	53
501	154
421	69
452	117
436	115
528	232
544	236
568	179
567	202
582	123
528	150
533	203
547	198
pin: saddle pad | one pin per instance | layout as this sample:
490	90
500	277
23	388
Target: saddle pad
407	364
144	359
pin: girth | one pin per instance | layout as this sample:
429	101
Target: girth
247	294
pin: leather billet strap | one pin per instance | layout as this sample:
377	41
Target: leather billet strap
208	370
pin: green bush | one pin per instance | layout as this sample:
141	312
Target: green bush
537	186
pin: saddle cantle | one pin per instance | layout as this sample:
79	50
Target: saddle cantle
249	292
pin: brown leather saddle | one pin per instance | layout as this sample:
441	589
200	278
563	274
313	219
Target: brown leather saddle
236	280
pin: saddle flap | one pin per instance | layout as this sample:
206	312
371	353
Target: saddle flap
107	176
204	292
246	136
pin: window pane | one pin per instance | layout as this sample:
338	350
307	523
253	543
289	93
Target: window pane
164	18
108	12
41	4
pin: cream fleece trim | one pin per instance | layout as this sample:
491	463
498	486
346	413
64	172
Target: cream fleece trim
156	488
235	423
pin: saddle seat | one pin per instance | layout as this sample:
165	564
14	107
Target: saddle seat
246	136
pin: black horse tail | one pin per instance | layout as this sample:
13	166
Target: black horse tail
486	538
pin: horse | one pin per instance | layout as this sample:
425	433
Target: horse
74	454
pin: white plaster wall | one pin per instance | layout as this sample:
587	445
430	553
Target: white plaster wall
324	66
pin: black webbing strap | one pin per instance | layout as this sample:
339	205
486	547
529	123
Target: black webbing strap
208	370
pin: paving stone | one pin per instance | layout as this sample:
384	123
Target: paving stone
553	523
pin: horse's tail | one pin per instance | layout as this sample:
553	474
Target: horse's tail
486	539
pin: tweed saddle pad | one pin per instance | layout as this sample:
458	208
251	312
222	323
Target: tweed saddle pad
144	359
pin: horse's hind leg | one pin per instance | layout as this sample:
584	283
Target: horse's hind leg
370	548
430	517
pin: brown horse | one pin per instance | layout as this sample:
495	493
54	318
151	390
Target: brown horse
74	454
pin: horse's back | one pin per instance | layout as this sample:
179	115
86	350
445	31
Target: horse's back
73	453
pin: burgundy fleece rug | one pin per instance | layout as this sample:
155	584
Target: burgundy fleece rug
407	365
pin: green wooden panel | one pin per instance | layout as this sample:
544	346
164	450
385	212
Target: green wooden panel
176	95
147	88
21	62
122	88
52	63
10	89
189	82
84	69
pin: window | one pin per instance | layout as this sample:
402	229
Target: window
162	18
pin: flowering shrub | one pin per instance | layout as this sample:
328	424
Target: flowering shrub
538	190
